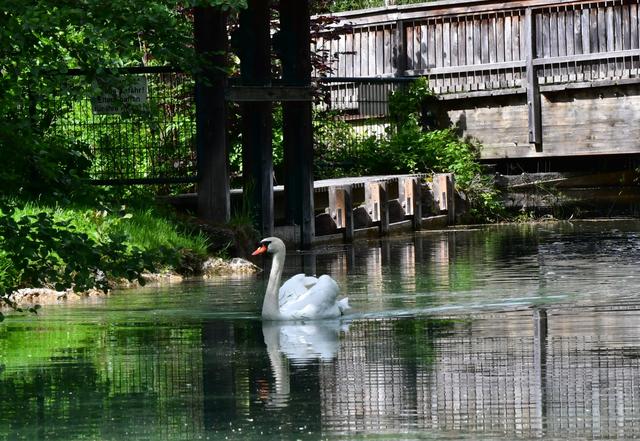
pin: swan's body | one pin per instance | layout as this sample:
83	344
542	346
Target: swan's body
301	297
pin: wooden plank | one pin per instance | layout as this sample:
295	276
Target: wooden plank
372	51
439	9
516	23
508	47
554	43
477	41
545	32
577	32
388	51
349	56
409	45
357	57
364	52
587	57
379	52
401	45
469	41
460	41
438	46
268	93
585	29
633	31
413	45
446	43
431	25
484	40
625	27
446	50
424	46
610	26
470	68
492	43
500	38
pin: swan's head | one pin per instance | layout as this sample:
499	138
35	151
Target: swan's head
271	245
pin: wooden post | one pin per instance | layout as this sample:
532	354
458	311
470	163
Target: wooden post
341	209
384	208
255	70
210	33
337	206
533	89
444	194
294	43
401	49
410	195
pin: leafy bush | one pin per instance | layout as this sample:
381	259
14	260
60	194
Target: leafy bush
48	253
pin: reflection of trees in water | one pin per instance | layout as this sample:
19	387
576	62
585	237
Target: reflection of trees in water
101	382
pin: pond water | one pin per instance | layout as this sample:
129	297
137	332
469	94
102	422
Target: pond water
506	332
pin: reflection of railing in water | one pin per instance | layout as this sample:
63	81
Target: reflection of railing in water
498	375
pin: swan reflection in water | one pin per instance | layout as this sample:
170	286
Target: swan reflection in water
298	344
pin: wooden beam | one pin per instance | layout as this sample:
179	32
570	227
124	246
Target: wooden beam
210	33
295	49
255	69
533	90
468	68
268	93
380	16
581	58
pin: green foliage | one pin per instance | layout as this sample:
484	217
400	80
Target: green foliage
48	253
42	40
88	248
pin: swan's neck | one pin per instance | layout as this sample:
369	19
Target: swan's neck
271	304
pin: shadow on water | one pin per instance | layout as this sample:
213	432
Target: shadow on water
526	332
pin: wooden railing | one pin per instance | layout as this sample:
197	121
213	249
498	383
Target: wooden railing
487	48
483	45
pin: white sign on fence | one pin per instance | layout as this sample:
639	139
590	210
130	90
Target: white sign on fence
132	95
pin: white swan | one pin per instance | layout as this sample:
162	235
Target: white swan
301	297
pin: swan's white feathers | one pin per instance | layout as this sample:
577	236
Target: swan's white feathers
305	297
301	297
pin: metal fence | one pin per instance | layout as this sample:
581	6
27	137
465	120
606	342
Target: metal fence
139	126
349	114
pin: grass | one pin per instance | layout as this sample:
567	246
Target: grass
148	229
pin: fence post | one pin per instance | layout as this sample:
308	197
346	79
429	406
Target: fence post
210	34
533	89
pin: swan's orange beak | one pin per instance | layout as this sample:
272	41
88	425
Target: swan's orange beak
260	250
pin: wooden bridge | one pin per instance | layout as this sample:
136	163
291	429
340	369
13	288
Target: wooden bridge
529	78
